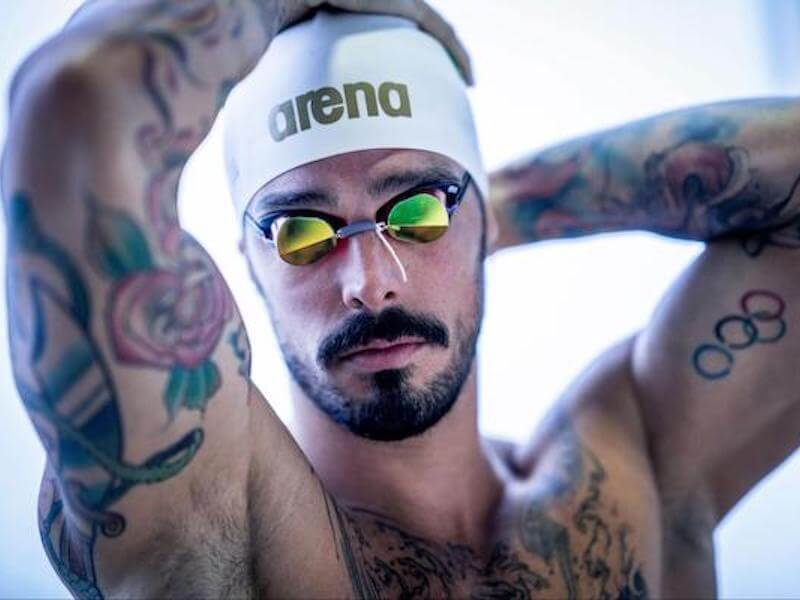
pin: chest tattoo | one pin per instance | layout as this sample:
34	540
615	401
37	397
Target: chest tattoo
566	540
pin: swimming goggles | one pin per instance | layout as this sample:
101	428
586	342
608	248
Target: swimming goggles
419	215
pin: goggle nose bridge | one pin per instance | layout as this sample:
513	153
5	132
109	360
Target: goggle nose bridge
358	227
364	226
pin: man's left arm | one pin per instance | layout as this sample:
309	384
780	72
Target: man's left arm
716	370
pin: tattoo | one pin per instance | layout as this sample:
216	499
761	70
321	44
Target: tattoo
384	560
172	315
699	187
167	305
546	538
584	554
542	535
781	231
761	322
270	15
67	387
585	560
169	317
177	31
337	517
241	349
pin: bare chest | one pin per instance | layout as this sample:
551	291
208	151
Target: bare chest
586	526
576	538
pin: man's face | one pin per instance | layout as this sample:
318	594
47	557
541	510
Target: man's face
325	314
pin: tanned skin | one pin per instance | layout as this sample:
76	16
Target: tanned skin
712	374
169	475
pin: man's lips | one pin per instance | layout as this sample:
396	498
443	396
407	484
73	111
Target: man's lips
382	354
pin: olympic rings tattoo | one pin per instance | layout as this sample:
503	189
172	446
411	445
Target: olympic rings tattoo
761	323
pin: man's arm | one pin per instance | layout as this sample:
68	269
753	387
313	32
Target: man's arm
165	466
127	348
714	370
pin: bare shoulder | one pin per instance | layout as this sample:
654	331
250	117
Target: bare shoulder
601	408
593	450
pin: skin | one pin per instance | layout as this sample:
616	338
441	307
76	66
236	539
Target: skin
169	475
713	390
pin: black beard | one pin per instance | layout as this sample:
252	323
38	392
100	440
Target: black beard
395	410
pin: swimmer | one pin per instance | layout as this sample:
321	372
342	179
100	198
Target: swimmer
366	215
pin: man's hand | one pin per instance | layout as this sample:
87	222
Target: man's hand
415	10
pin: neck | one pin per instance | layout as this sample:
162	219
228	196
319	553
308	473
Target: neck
438	484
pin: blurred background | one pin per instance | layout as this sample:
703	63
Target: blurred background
546	71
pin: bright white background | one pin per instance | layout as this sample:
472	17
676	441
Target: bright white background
546	71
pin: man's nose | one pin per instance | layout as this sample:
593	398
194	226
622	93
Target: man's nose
371	277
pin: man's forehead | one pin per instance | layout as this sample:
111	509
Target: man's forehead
374	172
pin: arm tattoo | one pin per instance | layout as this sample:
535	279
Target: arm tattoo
202	44
583	554
172	316
241	350
701	186
168	317
760	322
781	230
166	310
67	387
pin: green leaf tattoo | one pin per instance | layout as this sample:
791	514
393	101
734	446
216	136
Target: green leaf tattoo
67	387
171	318
116	247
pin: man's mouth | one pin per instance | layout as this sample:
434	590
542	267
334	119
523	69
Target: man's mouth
381	354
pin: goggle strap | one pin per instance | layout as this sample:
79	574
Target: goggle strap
392	252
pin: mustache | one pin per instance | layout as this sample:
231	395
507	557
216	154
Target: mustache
389	325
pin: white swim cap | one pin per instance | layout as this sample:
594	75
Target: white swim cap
342	82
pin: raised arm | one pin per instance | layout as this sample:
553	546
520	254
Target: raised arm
167	473
127	348
704	173
715	370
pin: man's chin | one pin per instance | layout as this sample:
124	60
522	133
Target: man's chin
365	386
395	410
392	425
391	381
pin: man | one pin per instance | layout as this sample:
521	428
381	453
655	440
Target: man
168	475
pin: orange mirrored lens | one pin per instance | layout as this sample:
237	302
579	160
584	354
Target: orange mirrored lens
303	240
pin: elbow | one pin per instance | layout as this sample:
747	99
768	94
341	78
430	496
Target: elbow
58	110
66	81
50	89
48	125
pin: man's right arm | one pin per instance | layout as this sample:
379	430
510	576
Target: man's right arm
127	348
167	473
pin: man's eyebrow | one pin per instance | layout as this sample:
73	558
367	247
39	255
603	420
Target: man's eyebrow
403	180
300	199
398	181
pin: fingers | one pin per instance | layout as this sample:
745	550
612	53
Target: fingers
435	24
421	13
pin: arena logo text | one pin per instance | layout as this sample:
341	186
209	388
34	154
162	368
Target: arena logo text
327	105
